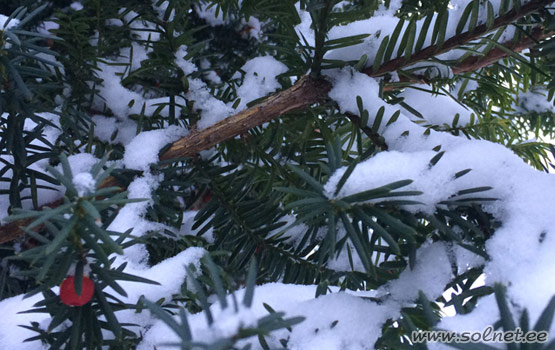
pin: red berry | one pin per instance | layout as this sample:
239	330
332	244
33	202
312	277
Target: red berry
70	297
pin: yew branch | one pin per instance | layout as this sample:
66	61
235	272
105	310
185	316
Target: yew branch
459	40
308	91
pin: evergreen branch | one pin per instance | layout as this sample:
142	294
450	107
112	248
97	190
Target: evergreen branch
474	63
459	40
308	91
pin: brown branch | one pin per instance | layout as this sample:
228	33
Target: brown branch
304	93
308	91
476	62
459	40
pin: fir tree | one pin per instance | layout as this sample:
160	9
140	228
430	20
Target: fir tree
307	174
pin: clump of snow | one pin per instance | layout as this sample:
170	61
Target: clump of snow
114	95
210	14
122	101
383	23
209	74
485	314
251	28
143	30
11	335
47	27
345	82
4	24
422	100
335	321
170	274
259	79
143	150
106	128
76	6
84	183
465	259
162	8
81	162
430	275
187	227
533	101
187	66
212	109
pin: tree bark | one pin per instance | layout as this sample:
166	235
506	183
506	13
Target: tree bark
304	93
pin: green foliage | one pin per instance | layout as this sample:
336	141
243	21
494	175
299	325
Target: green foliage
74	240
259	196
264	325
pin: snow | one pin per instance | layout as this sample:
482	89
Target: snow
47	27
251	28
162	8
11	335
259	79
186	65
130	217
212	109
187	227
430	275
335	321
383	23
533	101
210	14
347	312
105	128
170	274
84	183
421	100
122	101
139	157
76	6
520	252
4	24
81	162
519	259
345	82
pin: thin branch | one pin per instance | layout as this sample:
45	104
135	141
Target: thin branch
304	93
476	62
459	40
